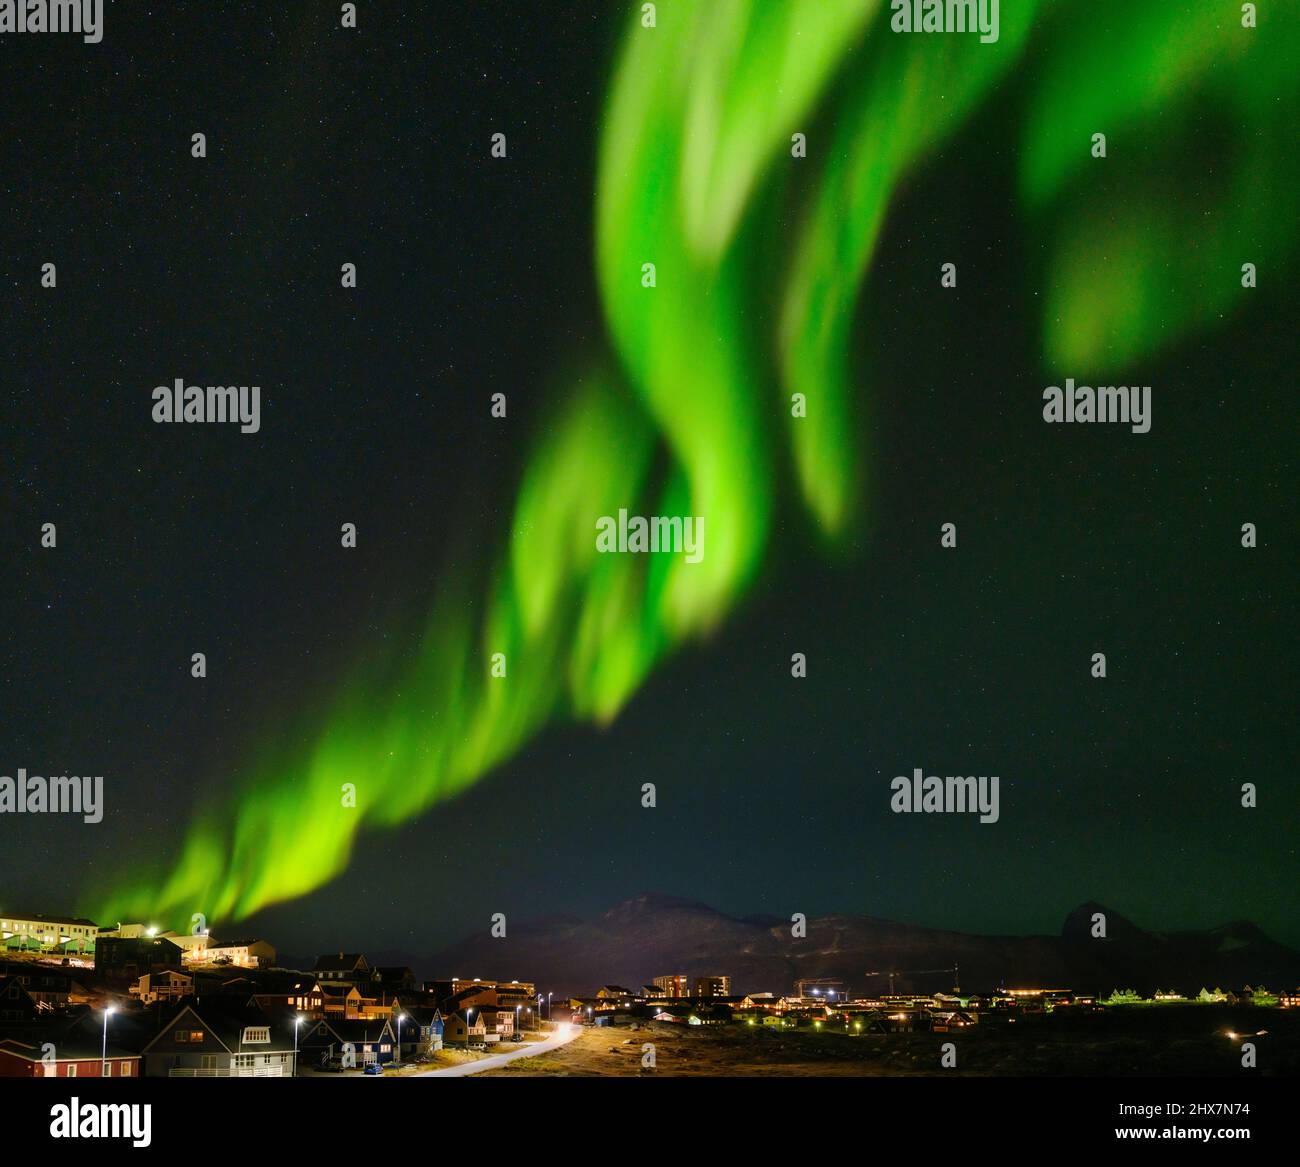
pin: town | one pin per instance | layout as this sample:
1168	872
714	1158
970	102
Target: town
128	1001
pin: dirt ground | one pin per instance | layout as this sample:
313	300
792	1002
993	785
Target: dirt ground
1132	1044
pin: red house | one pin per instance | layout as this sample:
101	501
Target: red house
66	1057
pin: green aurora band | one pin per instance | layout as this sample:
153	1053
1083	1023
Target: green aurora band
694	415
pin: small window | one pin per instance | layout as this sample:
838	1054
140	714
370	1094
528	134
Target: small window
72	1070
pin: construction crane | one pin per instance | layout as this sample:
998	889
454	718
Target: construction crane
920	972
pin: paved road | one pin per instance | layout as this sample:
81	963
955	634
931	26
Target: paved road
562	1036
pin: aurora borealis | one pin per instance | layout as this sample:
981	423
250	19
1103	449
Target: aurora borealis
677	398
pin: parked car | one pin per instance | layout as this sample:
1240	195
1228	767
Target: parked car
374	1068
332	1066
516	1037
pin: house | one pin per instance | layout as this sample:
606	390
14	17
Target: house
363	1042
340	999
34	1055
301	995
16	1003
498	1023
393	978
169	985
944	1020
614	993
193	945
50	988
241	953
421	1031
458	1031
220	1039
346	966
461	994
117	957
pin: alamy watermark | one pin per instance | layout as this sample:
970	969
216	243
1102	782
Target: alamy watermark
213	403
64	794
949	795
1129	405
638	535
84	17
979	16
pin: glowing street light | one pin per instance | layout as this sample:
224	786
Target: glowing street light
297	1021
103	1049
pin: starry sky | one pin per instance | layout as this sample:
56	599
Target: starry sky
475	277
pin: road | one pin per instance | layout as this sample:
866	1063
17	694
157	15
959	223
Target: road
563	1034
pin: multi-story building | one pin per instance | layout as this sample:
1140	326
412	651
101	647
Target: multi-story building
712	987
675	985
132	959
48	933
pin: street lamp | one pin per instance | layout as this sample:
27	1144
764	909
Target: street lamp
297	1021
400	1016
549	1014
469	1016
103	1049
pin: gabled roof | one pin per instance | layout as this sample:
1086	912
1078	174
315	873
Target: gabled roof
460	1014
356	1031
226	1021
70	1048
422	1014
337	989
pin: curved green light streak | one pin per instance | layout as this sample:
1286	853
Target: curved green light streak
694	141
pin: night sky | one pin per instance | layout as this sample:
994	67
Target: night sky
476	277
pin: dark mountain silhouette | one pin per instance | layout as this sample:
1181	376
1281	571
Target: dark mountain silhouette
652	934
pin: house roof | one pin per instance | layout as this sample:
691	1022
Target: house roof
478	1015
226	1021
362	1030
421	1014
35	917
338	988
70	1048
